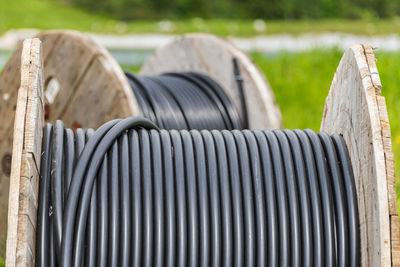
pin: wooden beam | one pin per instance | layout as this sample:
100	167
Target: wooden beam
25	166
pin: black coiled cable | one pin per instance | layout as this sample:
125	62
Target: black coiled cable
187	100
132	195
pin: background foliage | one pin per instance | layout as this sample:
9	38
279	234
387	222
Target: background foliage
265	9
72	14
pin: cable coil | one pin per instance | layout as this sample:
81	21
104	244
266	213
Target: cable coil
132	195
187	100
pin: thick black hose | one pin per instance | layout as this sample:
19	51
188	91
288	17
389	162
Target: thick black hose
248	200
259	199
102	216
268	177
215	202
180	189
237	199
57	169
203	199
159	240
351	197
326	198
191	189
136	198
312	178
282	200
226	200
342	247
125	201
69	162
43	219
293	200
306	224
91	239
146	197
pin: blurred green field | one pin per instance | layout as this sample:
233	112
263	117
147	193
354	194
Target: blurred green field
47	14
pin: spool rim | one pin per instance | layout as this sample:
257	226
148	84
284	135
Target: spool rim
76	49
355	109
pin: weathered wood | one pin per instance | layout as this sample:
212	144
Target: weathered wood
213	56
80	67
9	83
356	109
24	178
395	239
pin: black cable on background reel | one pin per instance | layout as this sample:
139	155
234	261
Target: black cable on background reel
132	195
187	100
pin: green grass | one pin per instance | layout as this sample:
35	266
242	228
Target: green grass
301	82
389	70
47	14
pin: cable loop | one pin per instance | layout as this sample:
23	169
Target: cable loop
130	194
187	100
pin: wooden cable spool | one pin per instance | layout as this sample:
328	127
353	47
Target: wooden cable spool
353	108
213	57
84	87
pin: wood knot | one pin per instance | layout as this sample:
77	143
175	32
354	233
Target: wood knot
6	164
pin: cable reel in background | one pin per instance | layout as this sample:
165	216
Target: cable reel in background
189	100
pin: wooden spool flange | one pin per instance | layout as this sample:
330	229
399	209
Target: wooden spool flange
213	56
355	109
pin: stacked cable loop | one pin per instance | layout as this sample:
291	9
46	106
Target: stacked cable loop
130	194
186	100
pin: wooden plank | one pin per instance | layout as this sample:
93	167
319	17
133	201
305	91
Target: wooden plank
9	84
24	178
395	242
355	109
213	56
389	157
